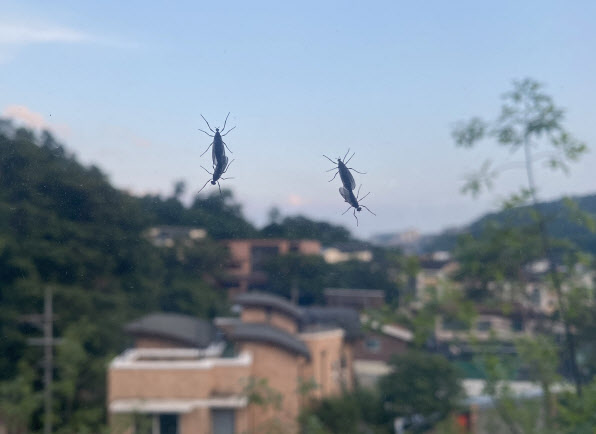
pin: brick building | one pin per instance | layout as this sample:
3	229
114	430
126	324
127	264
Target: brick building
358	299
185	375
248	256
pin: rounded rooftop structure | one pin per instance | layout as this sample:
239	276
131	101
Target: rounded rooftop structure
261	299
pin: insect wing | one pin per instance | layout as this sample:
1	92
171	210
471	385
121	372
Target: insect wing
351	179
217	153
345	194
214	156
224	163
346	177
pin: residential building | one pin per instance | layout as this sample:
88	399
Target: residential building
249	256
169	236
358	299
185	375
436	271
343	252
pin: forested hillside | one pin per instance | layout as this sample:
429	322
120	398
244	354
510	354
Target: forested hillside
566	220
63	225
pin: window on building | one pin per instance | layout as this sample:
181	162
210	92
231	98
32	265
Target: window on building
373	344
223	421
260	255
168	424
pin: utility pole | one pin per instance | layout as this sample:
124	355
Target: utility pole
46	321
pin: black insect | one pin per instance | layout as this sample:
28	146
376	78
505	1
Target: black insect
344	171
218	170
353	200
218	144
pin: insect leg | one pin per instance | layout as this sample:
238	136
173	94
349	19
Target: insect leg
231	177
361	199
223	135
206	149
205	132
208	124
346	162
204	186
363	206
228	166
227	146
334	162
334	176
224	127
362	173
342	212
358	194
207	171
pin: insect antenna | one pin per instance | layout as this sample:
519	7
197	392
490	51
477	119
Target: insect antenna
208	124
347	154
225	122
355	217
223	135
204	185
221	195
346	162
334	162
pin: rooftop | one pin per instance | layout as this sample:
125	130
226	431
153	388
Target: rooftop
185	329
268	334
269	300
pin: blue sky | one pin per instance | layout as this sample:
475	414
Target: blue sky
123	84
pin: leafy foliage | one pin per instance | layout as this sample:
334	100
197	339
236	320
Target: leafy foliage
64	225
310	275
529	119
300	227
421	384
351	413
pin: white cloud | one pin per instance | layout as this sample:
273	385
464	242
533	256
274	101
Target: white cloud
23	34
15	36
28	117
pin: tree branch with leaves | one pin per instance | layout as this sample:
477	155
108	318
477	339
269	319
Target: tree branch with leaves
532	124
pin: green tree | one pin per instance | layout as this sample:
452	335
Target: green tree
63	224
300	227
529	122
577	416
541	359
358	411
421	384
19	400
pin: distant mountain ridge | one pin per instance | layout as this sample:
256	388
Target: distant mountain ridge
562	223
